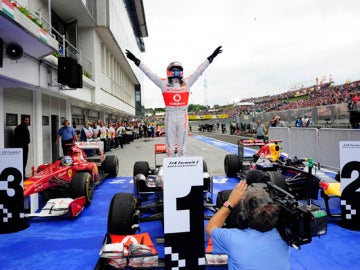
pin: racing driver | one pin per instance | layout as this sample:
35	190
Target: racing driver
175	91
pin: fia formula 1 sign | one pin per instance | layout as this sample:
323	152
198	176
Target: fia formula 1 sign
183	213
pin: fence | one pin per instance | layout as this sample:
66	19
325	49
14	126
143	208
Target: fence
320	144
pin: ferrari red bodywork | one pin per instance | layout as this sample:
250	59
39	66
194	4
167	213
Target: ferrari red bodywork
54	174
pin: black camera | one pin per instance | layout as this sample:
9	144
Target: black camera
298	222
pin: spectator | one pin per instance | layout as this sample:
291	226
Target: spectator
305	121
110	136
152	128
86	133
278	122
223	128
103	135
258	247
260	130
120	133
22	139
96	131
299	122
272	123
158	131
68	136
232	128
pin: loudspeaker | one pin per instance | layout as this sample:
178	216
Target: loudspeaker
1	52
69	72
78	83
14	51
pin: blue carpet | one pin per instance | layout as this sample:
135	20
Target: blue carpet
65	243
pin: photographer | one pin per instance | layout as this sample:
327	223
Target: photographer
259	246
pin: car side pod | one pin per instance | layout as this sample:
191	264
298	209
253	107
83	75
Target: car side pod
76	206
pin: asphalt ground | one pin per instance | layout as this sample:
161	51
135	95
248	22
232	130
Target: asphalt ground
143	150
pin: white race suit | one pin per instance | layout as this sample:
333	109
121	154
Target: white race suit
176	96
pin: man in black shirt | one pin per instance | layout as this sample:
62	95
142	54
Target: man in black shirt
22	139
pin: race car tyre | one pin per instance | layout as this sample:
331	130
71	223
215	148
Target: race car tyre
278	179
205	168
82	184
231	165
120	216
141	167
111	165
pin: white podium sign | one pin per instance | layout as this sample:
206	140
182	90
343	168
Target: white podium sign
350	183
10	158
184	213
180	175
11	190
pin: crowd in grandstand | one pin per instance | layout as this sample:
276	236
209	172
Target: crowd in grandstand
317	95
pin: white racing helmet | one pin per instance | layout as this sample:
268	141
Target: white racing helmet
174	70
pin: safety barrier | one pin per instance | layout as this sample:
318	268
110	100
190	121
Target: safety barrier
320	144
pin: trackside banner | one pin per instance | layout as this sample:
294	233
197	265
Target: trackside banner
184	213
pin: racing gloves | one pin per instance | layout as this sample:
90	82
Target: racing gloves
132	57
214	54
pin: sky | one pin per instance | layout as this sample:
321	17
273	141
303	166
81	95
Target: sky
269	46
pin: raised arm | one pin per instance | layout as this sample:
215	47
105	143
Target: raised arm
151	75
199	71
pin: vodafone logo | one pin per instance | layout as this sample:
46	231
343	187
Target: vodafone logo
177	97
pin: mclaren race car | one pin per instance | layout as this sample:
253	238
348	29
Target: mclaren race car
147	199
73	177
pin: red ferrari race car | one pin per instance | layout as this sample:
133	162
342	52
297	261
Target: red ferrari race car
73	177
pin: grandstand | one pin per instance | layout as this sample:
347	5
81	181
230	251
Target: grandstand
326	104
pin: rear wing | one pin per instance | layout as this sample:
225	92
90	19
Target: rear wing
255	142
160	148
251	142
94	145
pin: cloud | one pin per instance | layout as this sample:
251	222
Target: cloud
268	46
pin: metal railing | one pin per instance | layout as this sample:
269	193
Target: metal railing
70	50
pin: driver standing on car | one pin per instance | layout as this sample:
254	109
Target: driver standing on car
175	90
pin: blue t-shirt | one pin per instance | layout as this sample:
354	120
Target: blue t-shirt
251	249
66	133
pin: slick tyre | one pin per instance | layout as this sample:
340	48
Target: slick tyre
205	167
82	184
231	165
111	165
141	167
120	216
